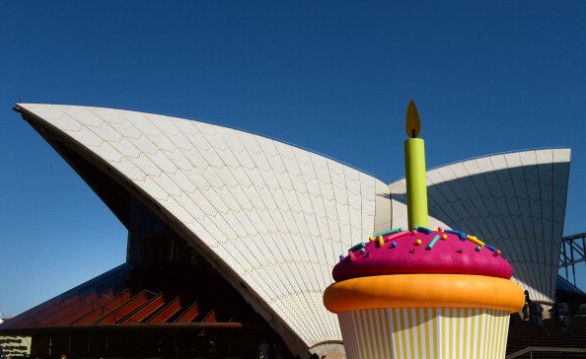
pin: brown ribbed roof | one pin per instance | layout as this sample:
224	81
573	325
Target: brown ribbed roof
165	294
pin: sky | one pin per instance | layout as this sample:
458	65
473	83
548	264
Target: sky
334	77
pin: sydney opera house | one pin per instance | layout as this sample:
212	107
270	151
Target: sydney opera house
232	236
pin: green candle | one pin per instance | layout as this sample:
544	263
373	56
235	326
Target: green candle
415	171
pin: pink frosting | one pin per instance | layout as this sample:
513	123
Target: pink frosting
402	253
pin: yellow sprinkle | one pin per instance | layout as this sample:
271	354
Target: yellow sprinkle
418	242
444	236
475	240
371	238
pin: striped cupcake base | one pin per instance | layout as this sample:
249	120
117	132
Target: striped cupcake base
424	333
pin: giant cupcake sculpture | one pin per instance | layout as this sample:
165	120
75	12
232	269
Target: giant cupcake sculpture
421	292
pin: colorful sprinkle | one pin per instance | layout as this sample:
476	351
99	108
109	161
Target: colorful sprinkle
433	241
498	252
390	231
444	236
424	230
460	234
459	251
492	248
478	248
351	256
363	249
394	236
371	238
440	229
418	242
357	246
393	244
475	240
381	241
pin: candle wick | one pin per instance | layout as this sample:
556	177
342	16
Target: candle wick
413	135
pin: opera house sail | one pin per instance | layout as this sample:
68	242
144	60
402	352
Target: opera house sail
272	219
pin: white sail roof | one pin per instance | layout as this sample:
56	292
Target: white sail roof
516	201
273	218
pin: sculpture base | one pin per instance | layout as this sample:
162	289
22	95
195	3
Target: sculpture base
439	333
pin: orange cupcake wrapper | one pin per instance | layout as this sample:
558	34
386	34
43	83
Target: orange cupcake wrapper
424	291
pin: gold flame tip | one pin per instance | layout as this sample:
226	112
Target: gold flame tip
412	123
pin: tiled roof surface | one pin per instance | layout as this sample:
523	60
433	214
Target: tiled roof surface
273	218
515	201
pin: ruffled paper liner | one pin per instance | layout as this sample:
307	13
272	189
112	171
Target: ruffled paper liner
439	333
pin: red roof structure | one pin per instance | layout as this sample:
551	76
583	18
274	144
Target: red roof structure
115	312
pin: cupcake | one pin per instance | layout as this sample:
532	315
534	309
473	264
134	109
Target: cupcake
423	294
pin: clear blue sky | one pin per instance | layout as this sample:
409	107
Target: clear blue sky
331	76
